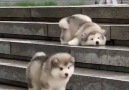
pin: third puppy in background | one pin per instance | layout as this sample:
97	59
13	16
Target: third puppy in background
77	30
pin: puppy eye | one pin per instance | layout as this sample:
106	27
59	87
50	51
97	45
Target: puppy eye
91	38
61	68
98	37
68	67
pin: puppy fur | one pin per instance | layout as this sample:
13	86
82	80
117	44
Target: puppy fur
49	73
70	25
74	27
96	39
85	31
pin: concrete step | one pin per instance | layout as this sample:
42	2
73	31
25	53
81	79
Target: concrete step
99	13
46	30
38	30
9	87
82	79
101	55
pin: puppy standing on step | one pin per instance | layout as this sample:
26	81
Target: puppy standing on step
49	73
77	27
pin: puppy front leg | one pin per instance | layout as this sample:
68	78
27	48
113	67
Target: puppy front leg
62	88
34	88
74	42
46	89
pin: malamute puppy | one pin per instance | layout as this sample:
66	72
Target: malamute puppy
70	25
73	28
49	73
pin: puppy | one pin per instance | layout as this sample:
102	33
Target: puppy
49	73
70	25
85	30
73	27
96	39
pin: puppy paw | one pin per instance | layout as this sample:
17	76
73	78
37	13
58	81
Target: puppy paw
74	42
64	43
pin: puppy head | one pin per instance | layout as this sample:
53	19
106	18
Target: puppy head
62	65
96	39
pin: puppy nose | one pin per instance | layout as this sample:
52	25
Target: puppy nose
97	43
66	74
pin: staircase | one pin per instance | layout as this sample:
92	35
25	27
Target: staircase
26	30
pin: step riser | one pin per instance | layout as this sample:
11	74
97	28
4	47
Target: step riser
91	55
43	30
36	29
101	12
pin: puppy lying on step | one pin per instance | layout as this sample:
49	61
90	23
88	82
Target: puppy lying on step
76	29
49	73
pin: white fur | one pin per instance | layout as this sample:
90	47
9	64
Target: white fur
83	17
74	42
63	23
68	30
92	39
60	80
39	54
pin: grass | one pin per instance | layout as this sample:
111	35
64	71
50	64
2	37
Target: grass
49	3
45	3
79	2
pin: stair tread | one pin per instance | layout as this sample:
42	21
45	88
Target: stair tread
9	87
117	56
55	43
56	23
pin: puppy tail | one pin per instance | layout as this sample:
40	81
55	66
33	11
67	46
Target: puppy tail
39	56
74	42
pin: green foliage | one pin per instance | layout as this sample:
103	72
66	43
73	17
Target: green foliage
79	2
44	3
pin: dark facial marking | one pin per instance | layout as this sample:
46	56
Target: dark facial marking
55	62
91	38
61	68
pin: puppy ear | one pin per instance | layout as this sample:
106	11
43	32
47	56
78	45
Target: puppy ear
102	35
84	37
54	61
72	59
104	31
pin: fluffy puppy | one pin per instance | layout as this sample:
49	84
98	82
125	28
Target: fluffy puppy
49	73
70	25
83	34
73	28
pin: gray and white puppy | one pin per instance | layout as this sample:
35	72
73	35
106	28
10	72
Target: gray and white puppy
70	25
77	27
49	73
